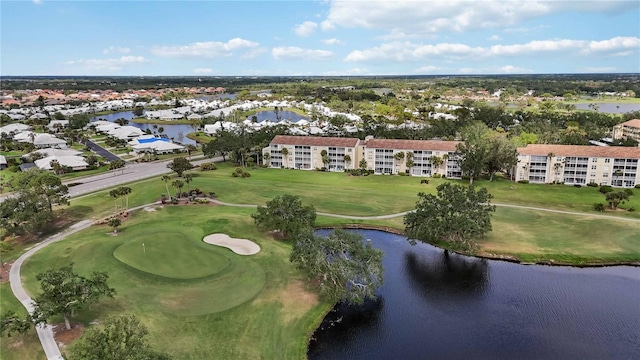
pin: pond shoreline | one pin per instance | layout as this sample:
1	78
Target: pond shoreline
506	258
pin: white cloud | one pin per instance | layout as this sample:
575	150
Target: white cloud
354	71
37	2
494	38
332	41
209	49
421	18
253	53
119	50
115	64
202	71
307	28
408	51
428	69
292	52
604	69
507	69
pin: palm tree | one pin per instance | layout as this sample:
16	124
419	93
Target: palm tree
285	153
325	159
436	161
187	179
556	167
178	184
125	191
115	194
114	223
550	156
191	148
166	179
347	160
267	157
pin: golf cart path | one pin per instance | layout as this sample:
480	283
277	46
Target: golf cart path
390	216
45	332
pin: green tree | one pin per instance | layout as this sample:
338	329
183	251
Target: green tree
363	164
473	152
285	154
187	179
63	292
436	161
117	164
342	264
165	179
118	338
456	214
180	165
347	161
5	247
178	184
502	154
11	323
616	198
285	214
114	223
138	111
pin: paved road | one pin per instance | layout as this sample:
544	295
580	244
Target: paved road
109	156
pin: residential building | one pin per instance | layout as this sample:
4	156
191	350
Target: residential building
305	152
578	164
390	156
627	130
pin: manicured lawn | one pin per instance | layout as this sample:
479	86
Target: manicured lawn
199	137
254	307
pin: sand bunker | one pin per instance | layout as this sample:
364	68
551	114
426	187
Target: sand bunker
238	246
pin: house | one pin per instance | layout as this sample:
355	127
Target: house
627	130
3	162
14	128
57	124
579	164
157	147
74	162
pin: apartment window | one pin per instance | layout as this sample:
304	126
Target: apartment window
606	161
593	167
605	175
593	174
594	160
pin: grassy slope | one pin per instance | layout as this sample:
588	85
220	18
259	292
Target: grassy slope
17	347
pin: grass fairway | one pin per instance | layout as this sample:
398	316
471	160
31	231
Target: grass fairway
252	307
18	347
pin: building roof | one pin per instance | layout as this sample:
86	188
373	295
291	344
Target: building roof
3	160
581	151
71	161
314	141
440	145
631	123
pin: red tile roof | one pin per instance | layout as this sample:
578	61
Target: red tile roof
581	150
440	145
314	141
632	123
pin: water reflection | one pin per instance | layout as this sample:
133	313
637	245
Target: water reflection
348	321
447	275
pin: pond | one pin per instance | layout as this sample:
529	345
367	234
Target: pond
176	131
284	115
614	108
437	306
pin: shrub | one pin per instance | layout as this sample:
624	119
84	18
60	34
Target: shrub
599	207
465	177
577	185
637	186
605	189
14	168
629	191
174	201
631	209
523	181
592	184
424	181
436	176
245	174
208	167
403	174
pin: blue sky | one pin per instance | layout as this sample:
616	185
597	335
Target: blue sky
271	38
